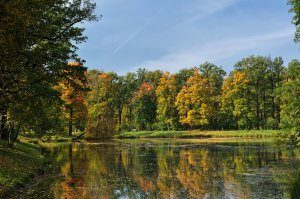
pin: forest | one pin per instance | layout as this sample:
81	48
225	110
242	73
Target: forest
43	92
69	129
260	93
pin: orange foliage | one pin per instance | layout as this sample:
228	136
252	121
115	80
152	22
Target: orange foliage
145	184
104	76
145	89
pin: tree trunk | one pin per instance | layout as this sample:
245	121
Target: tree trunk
3	122
130	118
9	135
264	111
273	98
257	106
1	127
257	112
16	136
120	118
278	112
71	121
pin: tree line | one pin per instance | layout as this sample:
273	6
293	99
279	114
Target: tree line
260	93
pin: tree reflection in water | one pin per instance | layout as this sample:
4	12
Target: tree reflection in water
163	169
295	187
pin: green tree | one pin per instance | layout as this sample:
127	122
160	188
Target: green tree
182	76
274	79
214	76
125	86
264	76
290	89
153	77
290	96
295	8
125	100
145	107
37	38
145	76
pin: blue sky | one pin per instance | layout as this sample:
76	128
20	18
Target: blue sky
173	34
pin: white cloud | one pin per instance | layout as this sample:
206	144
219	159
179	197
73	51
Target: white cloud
205	9
215	51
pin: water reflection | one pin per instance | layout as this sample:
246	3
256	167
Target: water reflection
162	169
295	187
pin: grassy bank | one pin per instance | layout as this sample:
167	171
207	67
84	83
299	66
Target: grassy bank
56	138
198	134
18	166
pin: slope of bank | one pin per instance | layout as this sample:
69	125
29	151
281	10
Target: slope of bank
18	166
198	134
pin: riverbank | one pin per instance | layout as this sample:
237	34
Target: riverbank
18	166
198	134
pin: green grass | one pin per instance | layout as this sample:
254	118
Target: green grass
49	138
199	134
18	166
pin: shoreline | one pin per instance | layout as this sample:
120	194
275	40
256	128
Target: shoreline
197	134
19	166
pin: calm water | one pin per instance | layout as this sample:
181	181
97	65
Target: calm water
174	169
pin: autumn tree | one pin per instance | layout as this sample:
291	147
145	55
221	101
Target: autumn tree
193	101
75	107
227	104
199	102
236	104
166	93
101	104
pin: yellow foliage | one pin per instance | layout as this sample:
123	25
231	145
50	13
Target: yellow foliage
166	93
194	101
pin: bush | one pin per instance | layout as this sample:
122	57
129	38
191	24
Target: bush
271	123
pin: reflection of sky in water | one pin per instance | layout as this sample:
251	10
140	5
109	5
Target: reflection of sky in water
169	169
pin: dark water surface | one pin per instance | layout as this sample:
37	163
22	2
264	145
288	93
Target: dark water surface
174	169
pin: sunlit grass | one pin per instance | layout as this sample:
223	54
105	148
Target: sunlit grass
199	134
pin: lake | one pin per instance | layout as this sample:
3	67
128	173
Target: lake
174	169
